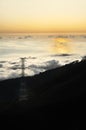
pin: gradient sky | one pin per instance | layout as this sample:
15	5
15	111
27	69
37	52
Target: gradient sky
42	15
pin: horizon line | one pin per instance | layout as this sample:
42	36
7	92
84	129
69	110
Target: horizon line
48	32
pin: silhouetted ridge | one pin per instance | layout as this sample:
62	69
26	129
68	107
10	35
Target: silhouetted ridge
62	89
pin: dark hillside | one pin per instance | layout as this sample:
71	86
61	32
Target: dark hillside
53	94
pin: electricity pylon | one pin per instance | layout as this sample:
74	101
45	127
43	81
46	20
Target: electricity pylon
25	94
23	66
23	90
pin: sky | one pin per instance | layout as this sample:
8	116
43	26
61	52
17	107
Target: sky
42	16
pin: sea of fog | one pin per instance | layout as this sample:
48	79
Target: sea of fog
42	52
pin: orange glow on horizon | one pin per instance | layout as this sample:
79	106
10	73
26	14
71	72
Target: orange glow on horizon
42	16
34	27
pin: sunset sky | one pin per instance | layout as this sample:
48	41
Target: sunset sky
42	16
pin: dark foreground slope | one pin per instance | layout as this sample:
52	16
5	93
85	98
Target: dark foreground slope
54	94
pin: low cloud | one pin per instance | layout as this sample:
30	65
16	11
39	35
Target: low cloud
51	64
29	36
30	57
84	58
2	61
13	63
1	66
45	66
13	70
15	67
13	75
64	55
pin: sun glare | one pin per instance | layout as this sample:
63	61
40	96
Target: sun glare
61	46
61	40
